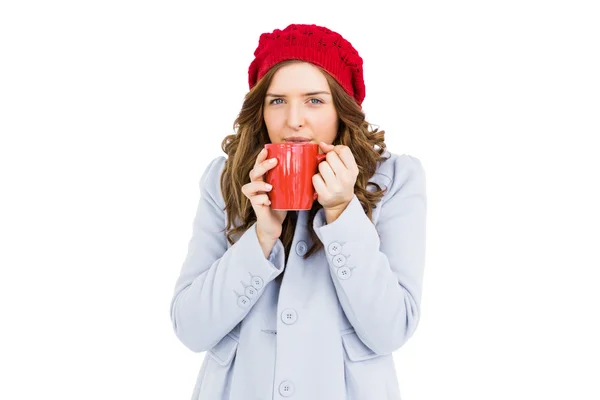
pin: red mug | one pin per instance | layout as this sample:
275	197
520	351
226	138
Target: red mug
292	176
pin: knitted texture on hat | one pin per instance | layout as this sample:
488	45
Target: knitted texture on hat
315	44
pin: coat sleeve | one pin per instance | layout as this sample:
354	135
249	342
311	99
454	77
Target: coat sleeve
377	270
218	286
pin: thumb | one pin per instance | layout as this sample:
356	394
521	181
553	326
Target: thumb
326	147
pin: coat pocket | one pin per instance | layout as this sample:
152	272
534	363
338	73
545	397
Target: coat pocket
224	351
367	375
215	382
356	349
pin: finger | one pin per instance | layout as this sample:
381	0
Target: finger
260	200
253	188
258	171
337	166
262	156
319	184
327	174
326	148
345	154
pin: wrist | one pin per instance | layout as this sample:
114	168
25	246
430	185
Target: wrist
331	214
266	245
264	240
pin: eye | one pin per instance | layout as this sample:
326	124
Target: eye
274	101
315	101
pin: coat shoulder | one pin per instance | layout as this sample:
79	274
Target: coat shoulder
210	182
396	170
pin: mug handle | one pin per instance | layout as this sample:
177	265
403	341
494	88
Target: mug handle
320	158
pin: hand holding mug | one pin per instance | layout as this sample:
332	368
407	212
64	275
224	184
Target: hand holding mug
268	222
336	178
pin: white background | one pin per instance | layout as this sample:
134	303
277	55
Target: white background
111	110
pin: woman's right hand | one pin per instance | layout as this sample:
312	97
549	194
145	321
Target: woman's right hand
268	221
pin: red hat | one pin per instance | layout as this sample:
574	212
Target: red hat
315	44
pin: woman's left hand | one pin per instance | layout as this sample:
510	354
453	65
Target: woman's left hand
336	178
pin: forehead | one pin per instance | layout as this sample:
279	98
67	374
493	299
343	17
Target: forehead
298	77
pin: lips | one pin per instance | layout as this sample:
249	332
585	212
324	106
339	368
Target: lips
297	139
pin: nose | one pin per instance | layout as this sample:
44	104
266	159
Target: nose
295	117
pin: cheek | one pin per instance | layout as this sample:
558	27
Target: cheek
273	120
327	123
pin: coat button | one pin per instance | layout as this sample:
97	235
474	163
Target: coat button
251	292
339	260
301	248
344	273
334	248
257	282
289	316
243	301
286	389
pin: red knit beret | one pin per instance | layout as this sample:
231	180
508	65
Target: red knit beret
315	44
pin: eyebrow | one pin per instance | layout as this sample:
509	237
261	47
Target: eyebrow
305	94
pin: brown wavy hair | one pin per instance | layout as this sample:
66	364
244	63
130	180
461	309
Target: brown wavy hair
251	135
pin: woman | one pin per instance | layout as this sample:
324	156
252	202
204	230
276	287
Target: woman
308	304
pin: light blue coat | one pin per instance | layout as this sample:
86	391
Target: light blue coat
328	330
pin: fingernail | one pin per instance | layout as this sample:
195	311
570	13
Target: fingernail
272	160
269	187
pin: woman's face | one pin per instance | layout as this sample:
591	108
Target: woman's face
299	107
